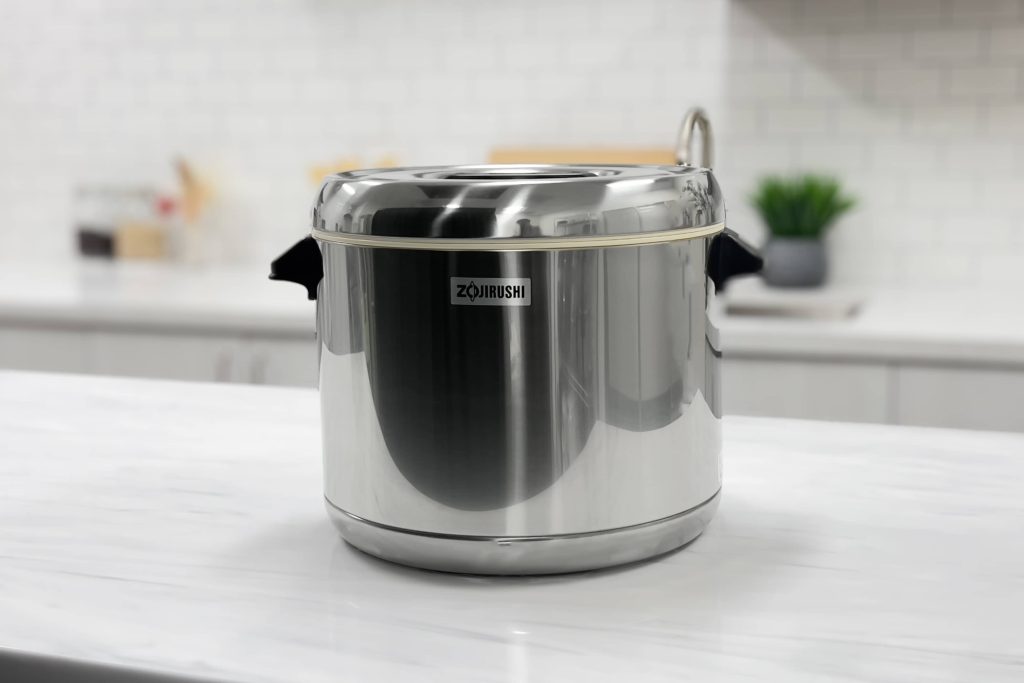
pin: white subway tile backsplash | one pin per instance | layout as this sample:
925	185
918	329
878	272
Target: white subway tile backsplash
1007	42
832	84
904	228
1000	268
910	83
881	47
816	47
831	156
758	158
950	191
857	120
470	56
980	156
1005	119
741	122
947	44
938	124
984	81
1015	230
986	9
860	263
910	13
1003	191
948	268
774	12
764	84
827	12
797	120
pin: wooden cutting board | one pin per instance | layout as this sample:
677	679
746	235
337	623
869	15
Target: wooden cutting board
581	155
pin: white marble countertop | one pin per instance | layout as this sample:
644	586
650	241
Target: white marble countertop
944	326
179	528
958	326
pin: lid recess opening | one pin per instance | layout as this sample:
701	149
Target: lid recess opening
520	174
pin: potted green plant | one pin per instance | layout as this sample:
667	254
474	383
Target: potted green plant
798	210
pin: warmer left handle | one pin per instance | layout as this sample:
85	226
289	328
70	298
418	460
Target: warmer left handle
303	264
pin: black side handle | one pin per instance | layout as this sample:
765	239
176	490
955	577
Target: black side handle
302	264
730	256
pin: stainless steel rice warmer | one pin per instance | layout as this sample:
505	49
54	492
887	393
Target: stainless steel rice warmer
517	370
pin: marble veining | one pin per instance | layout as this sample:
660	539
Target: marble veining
179	528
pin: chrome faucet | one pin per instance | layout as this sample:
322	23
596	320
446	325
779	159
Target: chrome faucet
695	118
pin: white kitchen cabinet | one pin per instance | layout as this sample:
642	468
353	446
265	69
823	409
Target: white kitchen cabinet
39	348
209	358
283	362
847	392
249	358
969	398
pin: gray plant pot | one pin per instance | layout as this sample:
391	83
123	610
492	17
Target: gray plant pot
795	262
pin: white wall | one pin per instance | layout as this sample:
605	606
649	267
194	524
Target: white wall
917	104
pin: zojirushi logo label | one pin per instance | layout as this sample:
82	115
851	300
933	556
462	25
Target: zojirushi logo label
490	291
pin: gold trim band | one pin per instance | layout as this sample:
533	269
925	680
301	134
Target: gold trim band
517	243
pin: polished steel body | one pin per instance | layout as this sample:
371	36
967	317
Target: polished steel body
570	425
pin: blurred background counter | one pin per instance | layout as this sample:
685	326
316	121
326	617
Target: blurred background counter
223	324
902	356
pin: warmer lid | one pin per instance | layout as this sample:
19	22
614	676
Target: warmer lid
516	207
